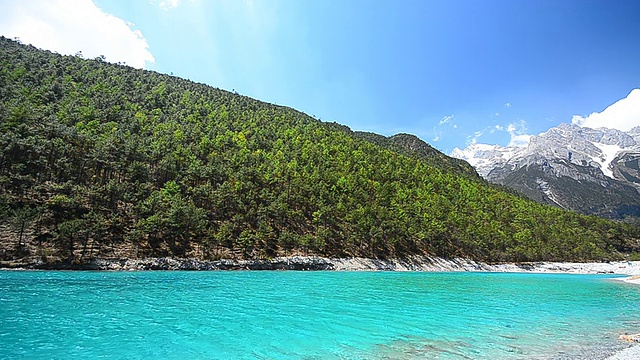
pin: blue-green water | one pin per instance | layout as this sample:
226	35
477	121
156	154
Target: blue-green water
310	315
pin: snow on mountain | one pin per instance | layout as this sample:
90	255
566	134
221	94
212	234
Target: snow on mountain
571	143
484	157
593	171
608	153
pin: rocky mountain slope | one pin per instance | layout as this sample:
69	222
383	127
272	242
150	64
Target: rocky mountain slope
592	171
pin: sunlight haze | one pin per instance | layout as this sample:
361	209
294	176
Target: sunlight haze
451	72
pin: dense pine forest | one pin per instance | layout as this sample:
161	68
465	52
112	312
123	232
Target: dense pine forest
103	160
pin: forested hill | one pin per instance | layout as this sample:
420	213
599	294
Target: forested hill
103	160
411	145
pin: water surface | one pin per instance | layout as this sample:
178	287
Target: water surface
311	315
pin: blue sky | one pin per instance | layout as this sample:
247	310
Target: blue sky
451	72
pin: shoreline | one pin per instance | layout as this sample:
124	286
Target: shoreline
633	279
312	263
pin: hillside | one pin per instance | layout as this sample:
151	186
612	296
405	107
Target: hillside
99	160
411	145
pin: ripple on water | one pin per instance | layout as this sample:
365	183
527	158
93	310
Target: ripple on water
311	315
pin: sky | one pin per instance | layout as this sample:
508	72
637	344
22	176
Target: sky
452	72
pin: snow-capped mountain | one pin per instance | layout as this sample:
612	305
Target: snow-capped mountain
484	157
593	171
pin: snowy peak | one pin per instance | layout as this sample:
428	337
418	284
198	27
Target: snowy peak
567	142
593	171
484	157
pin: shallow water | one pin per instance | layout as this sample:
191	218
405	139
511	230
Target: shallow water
311	315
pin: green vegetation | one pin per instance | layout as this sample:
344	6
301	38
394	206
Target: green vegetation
103	160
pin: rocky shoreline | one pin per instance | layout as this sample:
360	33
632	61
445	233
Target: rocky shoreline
308	263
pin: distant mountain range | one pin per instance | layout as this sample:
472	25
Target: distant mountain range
592	171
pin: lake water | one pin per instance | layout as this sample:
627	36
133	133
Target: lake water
311	315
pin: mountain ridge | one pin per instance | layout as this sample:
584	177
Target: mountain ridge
593	171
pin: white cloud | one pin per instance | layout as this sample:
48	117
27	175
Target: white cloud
446	119
169	4
519	140
436	134
438	130
67	27
474	139
507	105
622	115
518	133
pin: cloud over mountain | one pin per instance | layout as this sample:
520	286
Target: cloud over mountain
68	27
622	115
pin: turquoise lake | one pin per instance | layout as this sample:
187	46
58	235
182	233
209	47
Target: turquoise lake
311	315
